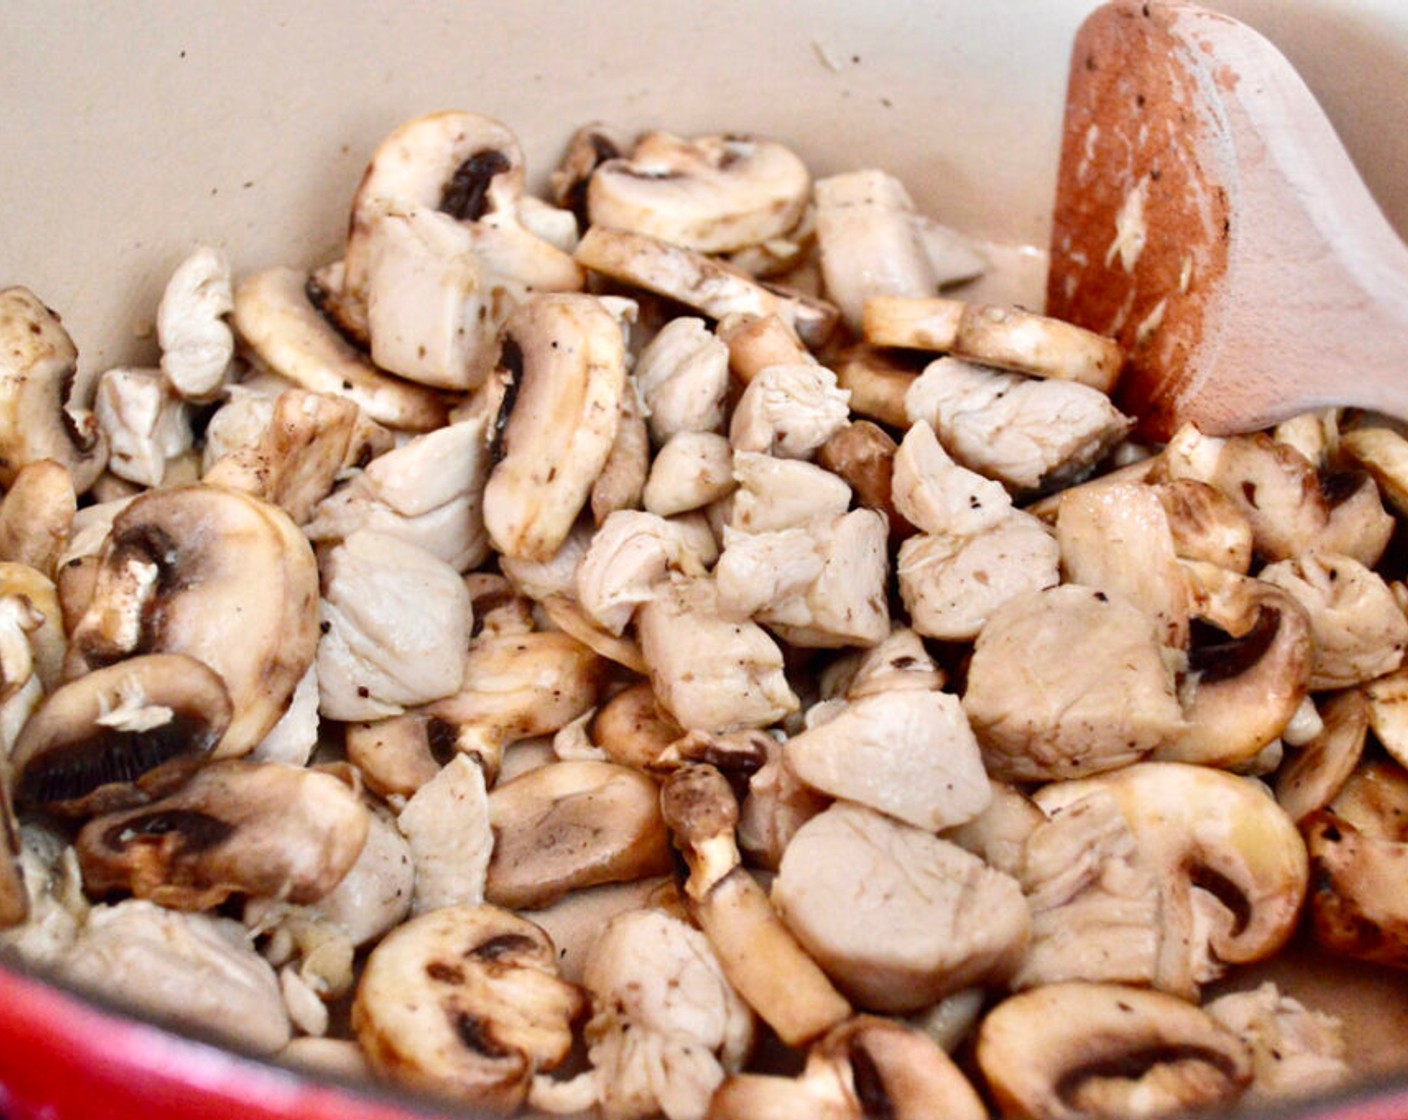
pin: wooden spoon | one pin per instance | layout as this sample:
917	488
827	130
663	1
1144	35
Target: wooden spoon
1208	217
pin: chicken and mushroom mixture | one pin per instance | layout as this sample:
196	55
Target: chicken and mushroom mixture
659	650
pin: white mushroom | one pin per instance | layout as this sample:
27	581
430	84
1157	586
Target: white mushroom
1041	713
427	492
568	360
39	419
715	194
189	969
446	824
621	483
1029	434
683	377
789	411
728	676
36	516
1359	629
197	345
145	422
896	916
382	647
907	753
690	471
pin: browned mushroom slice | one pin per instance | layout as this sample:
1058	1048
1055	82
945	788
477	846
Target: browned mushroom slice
1312	776
1094	1050
757	341
38	418
573	824
632	728
121	735
36	516
398	755
1206	524
1248	669
866	1067
14	896
1359	857
216	574
236	827
35	606
760	957
863	454
466	1001
877	381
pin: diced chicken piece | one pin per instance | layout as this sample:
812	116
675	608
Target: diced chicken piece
629	557
951	585
58	908
789	411
428	492
690	471
197	344
778	803
1094	903
897	663
557	575
910	754
1068	682
239	422
1117	539
187	968
375	895
446	824
146	423
783	493
683	377
1028	433
575	922
758	570
1358	627
666	1026
895	916
999	834
1296	1052
396	628
936	495
727	676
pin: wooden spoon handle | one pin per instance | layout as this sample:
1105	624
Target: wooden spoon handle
1208	217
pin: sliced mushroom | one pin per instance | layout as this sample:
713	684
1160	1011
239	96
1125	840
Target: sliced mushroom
427	492
569	825
1206	524
31	612
1027	433
1088	1050
1314	774
446	824
1249	666
1281	494
36	516
284	330
1228	864
683	377
631	729
1359	629
39	419
1040	713
729	676
121	735
591	146
15	905
863	455
910	754
1358	855
197	344
757	341
1384	454
1314	434
689	472
761	958
218	575
877	381
865	1067
789	411
189	969
709	286
569	617
1388	713
715	194
516	686
399	754
568	360
891	911
236	827
466	1001
621	484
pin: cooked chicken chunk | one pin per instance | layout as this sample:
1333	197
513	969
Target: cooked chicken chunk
396	624
910	754
629	557
783	493
446	824
1295	1051
197	344
690	471
897	917
146	423
1068	682
1030	434
683	377
936	495
427	492
789	411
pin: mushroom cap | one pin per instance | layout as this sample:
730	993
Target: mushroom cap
121	735
466	1001
1088	1050
1231	867
38	367
216	574
236	827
